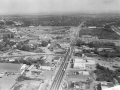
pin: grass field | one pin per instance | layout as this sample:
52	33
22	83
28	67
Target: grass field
100	33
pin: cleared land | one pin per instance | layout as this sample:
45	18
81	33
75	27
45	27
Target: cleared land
27	85
101	33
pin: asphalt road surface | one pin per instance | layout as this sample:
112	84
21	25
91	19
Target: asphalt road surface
61	72
59	76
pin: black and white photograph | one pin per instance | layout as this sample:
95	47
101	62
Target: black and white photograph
59	44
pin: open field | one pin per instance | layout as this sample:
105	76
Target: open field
9	72
27	85
100	33
6	82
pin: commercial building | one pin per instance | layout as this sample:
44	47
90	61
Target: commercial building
84	64
56	59
46	67
112	88
91	27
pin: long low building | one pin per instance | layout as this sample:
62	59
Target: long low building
113	88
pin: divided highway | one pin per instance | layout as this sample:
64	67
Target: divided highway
62	69
59	76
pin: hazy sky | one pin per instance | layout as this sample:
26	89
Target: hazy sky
60	6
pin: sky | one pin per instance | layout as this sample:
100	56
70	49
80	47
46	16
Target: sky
58	6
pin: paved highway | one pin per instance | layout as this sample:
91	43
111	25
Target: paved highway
61	72
59	76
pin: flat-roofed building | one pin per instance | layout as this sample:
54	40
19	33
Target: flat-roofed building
79	60
56	59
84	64
81	66
117	87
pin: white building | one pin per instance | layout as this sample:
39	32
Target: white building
65	45
84	64
84	72
90	27
45	67
24	66
80	66
79	60
11	59
112	88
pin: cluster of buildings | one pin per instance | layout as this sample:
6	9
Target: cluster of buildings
79	75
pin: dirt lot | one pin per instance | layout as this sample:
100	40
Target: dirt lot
6	82
27	85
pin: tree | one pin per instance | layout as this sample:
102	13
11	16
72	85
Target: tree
100	67
79	43
99	86
40	61
44	43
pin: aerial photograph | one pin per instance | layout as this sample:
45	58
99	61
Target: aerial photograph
59	44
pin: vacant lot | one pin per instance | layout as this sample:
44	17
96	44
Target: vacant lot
101	33
6	82
27	85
